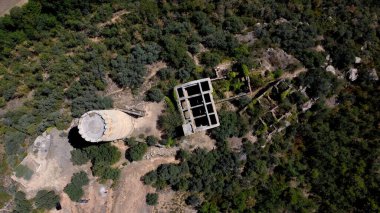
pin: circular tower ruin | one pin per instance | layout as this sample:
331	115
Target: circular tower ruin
105	125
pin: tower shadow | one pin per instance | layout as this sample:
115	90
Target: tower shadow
76	140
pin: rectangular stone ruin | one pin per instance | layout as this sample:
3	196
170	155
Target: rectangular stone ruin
197	106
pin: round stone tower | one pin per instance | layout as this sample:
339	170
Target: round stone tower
105	125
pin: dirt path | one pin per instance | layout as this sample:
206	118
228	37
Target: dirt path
115	18
7	5
295	73
130	193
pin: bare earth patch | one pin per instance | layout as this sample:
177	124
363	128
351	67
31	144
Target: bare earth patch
198	140
171	201
130	192
147	125
7	5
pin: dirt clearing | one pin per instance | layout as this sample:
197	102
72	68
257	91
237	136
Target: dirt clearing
198	140
131	192
147	125
7	5
171	201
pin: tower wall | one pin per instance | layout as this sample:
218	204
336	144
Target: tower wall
105	125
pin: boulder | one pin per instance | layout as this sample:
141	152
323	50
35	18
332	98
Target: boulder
353	74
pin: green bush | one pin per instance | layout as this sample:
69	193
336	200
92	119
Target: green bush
136	153
102	156
155	95
233	24
193	200
151	199
89	102
74	188
166	73
24	172
130	141
22	205
46	199
151	140
74	193
2	102
211	59
79	157
231	124
4	197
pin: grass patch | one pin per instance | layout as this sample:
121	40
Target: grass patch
24	172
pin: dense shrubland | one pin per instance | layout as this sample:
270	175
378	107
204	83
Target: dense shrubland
55	58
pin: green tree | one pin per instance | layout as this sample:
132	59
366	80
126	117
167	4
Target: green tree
233	24
75	188
136	153
78	157
155	95
151	199
211	59
46	199
22	205
74	193
130	141
231	124
151	140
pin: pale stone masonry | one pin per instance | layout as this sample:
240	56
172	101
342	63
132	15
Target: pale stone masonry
196	105
105	125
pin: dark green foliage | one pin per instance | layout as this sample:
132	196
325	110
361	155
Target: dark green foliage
328	154
325	161
339	155
166	73
231	124
13	141
22	205
46	199
194	48
130	141
24	172
4	197
154	94
80	179
103	153
79	157
151	140
312	59
211	59
175	53
136	152
170	120
75	193
130	71
320	83
89	102
193	200
233	24
74	188
151	199
102	156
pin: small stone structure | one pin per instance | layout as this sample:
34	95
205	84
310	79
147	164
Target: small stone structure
197	106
